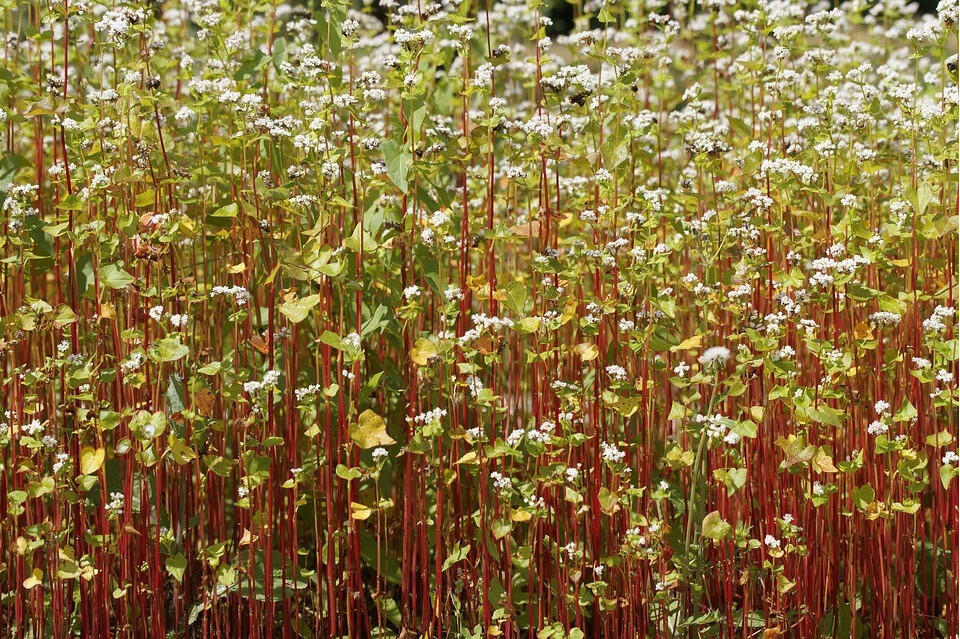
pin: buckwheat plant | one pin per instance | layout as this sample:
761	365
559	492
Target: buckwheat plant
437	319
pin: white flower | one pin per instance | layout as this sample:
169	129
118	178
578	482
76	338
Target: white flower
883	318
33	428
184	116
411	291
714	357
950	458
379	453
618	373
877	428
352	340
499	481
771	542
611	453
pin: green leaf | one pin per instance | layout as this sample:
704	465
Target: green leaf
457	553
70	203
145	198
176	566
942	438
516	297
331	339
608	500
906	413
168	349
947	473
229	210
745	428
398	160
348	473
115	277
863	496
175	394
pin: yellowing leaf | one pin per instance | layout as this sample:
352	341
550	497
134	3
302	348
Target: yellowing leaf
91	460
691	343
423	351
360	511
296	310
34	580
528	325
714	526
587	351
370	430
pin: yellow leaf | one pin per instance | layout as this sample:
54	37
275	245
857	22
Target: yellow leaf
569	310
370	430
91	460
587	351
691	343
520	515
360	511
247	538
423	351
273	274
468	458
757	413
33	580
237	268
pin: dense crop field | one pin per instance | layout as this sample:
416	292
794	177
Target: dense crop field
430	320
